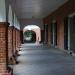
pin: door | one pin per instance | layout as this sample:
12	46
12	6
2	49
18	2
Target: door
55	34
66	33
46	34
72	33
51	34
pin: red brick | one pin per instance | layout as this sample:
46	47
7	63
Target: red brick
3	47
59	14
10	42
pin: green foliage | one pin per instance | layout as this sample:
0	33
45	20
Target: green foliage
28	34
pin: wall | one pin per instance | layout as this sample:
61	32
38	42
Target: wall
10	16
2	11
38	34
16	22
25	22
59	15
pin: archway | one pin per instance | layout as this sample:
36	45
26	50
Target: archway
33	31
29	36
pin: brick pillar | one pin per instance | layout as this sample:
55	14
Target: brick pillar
14	40
17	36
13	44
60	33
3	48
10	41
19	41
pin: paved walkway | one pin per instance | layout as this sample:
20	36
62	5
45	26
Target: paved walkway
41	60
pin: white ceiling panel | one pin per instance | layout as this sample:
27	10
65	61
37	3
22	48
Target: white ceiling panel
35	8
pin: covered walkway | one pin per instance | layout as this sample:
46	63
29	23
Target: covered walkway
43	60
50	24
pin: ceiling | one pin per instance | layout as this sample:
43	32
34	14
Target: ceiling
26	9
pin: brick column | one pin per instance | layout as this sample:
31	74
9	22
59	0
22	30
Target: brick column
60	33
10	41
17	39
14	40
13	44
3	48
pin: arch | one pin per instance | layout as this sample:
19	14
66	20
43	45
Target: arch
29	36
34	28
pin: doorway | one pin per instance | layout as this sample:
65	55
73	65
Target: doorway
66	33
32	33
29	36
45	34
54	33
72	33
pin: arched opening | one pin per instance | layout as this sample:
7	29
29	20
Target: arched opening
29	36
32	34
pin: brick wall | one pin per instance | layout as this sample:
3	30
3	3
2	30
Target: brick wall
17	39
14	40
3	48
60	34
13	43
59	15
10	41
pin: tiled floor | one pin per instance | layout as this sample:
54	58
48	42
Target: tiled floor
42	60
